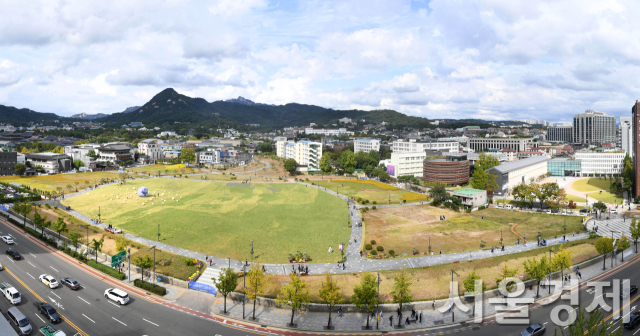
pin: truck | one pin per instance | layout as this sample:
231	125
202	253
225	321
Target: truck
10	293
48	330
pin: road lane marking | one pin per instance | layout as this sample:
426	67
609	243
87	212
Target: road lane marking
88	318
33	255
84	300
118	321
36	314
55	295
30	275
53	268
151	322
114	304
636	331
31	264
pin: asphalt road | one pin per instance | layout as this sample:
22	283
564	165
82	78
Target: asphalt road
87	310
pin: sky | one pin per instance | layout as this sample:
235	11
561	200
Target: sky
493	59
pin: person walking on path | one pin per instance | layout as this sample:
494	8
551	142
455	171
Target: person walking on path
420	317
340	312
391	321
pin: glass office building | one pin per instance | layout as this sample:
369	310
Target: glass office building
563	167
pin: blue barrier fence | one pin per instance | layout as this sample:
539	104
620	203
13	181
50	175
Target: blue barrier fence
202	287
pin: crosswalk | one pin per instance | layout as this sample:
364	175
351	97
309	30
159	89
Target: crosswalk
611	227
206	276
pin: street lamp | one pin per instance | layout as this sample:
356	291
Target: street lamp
251	250
154	262
158	232
244	285
614	246
554	252
99	220
453	316
378	303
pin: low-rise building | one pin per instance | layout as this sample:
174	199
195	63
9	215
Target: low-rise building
564	167
406	163
600	164
151	149
517	144
115	153
328	131
471	198
416	146
366	145
511	174
452	170
52	163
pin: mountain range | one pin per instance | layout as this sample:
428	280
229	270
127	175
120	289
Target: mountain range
169	106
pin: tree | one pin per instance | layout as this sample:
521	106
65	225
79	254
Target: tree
506	272
290	165
479	179
635	232
486	162
349	161
325	162
365	294
438	195
492	184
469	284
603	246
121	243
92	154
534	191
59	189
294	294
70	187
537	269
78	163
20	169
123	176
623	243
562	260
188	155
97	245
546	191
144	262
600	206
74	236
401	292
595	325
330	293
24	209
226	283
256	283
627	174
38	220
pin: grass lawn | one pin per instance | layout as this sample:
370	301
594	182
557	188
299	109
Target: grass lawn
607	197
169	264
51	182
591	184
401	228
222	219
433	282
372	190
575	198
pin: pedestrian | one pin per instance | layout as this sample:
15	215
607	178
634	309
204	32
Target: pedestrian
564	237
391	321
579	275
420	317
407	321
440	252
340	312
206	258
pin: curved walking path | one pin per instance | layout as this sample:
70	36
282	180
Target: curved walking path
513	227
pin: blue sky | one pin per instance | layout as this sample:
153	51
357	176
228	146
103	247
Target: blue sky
488	59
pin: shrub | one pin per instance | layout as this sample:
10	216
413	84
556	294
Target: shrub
368	247
150	287
373	207
392	253
106	269
375	202
374	252
373	242
380	248
366	201
67	250
482	207
188	262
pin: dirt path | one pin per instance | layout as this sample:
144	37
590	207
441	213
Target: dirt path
514	231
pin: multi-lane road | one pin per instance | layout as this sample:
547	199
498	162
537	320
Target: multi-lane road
87	310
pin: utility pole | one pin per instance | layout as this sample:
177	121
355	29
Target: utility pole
158	232
154	262
244	279
251	250
378	304
129	259
453	307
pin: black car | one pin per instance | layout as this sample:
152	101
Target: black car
534	330
70	282
14	254
634	320
48	311
584	210
629	291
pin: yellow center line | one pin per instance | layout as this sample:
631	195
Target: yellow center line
41	300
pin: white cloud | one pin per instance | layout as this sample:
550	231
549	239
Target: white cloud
228	8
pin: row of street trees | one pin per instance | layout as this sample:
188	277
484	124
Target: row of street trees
295	293
548	193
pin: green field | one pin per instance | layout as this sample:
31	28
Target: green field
222	219
372	190
591	184
51	182
607	197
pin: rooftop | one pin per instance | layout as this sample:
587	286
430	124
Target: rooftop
469	191
515	165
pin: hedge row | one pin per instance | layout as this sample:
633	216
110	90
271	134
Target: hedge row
106	269
150	287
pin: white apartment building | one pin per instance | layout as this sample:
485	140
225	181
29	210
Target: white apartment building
210	156
412	145
517	144
626	134
406	163
328	131
150	148
304	152
79	152
366	145
609	163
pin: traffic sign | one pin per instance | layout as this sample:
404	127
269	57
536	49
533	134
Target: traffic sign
118	258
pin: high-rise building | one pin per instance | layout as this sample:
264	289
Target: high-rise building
559	133
626	134
592	127
635	114
304	152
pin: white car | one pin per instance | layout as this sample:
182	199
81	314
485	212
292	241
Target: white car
1	267
117	295
7	239
615	211
48	280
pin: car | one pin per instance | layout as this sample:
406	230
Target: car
614	211
634	320
584	210
7	239
534	330
116	295
48	311
70	282
48	280
1	267
14	254
628	291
